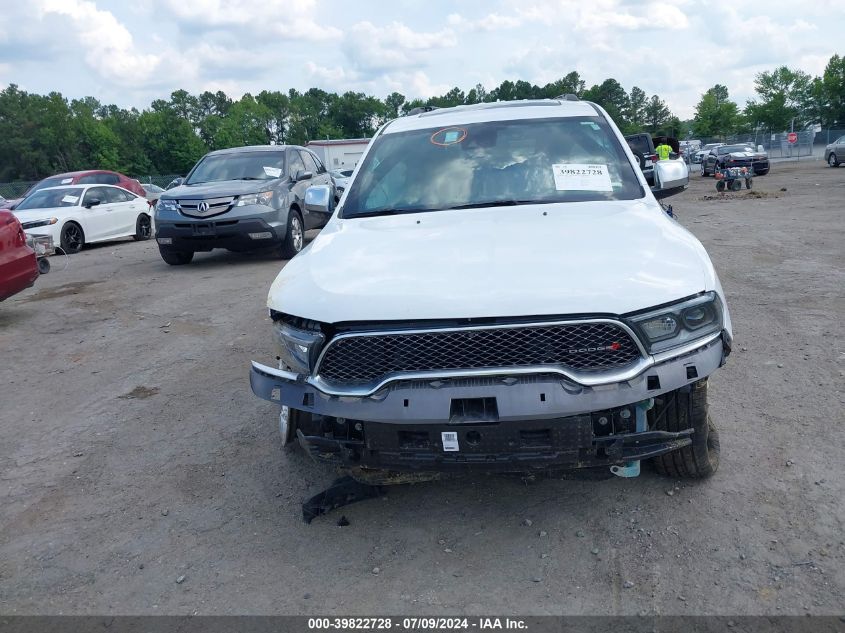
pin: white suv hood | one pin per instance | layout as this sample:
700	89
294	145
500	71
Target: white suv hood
537	260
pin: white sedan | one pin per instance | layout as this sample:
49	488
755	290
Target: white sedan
76	215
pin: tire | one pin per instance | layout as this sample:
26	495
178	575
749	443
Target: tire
294	235
736	185
720	186
72	238
679	410
748	182
143	228
832	160
43	266
175	257
295	420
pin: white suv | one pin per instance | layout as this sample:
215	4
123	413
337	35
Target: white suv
499	289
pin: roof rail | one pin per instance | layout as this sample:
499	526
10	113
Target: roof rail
568	97
421	109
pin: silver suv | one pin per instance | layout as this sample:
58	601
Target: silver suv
241	199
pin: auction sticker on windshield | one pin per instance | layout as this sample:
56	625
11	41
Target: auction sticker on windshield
70	199
581	177
273	172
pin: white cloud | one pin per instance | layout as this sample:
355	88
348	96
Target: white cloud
381	48
109	46
291	19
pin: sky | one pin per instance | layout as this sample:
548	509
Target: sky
129	53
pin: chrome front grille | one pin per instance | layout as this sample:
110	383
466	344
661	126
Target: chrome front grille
205	208
581	346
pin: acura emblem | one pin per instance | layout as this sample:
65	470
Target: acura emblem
202	207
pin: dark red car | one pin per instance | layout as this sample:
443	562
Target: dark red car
88	177
18	267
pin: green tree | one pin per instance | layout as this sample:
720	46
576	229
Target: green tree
656	114
830	93
393	102
784	98
611	96
716	114
636	112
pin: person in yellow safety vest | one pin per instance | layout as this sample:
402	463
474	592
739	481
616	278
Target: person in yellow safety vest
663	150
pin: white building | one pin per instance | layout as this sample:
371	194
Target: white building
339	153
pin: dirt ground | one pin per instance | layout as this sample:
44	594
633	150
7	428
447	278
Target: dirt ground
139	475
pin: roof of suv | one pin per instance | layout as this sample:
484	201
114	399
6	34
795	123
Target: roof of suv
251	148
496	111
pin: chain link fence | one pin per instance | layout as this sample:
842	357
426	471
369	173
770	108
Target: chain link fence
809	144
12	190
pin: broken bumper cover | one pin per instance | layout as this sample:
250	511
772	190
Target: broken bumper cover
502	423
532	445
524	397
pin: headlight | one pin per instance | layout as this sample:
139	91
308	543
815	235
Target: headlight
297	348
265	198
165	204
681	323
32	224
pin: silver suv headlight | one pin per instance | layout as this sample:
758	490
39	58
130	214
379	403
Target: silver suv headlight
297	348
165	204
265	198
675	325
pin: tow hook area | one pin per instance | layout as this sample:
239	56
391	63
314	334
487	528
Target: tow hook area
632	468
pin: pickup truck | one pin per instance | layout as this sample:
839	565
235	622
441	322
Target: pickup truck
499	289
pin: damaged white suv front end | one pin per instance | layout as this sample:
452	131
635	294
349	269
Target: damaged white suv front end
499	290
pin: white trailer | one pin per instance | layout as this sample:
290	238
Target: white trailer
339	153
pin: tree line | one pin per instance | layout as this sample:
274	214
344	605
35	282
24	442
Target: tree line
46	134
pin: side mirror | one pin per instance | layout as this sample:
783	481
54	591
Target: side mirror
92	203
318	199
176	182
670	177
303	175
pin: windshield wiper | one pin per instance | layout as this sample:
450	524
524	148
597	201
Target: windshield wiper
378	212
249	178
499	203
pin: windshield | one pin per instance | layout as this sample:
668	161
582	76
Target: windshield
238	166
342	173
51	198
727	149
50	182
487	164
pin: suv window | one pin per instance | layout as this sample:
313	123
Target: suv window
246	165
321	169
485	164
640	143
296	164
310	163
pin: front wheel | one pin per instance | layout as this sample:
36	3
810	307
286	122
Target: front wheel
72	238
720	186
679	410
174	257
736	185
748	182
289	421
143	228
294	235
832	160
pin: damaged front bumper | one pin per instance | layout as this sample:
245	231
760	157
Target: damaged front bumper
500	422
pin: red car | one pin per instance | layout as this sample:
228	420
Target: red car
88	177
18	267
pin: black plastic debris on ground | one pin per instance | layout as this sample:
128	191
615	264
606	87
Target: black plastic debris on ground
342	492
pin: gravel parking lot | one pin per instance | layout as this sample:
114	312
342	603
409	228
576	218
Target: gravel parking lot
140	475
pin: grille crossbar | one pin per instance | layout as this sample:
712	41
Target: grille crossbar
587	346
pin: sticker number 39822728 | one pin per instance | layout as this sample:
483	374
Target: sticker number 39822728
450	441
581	177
